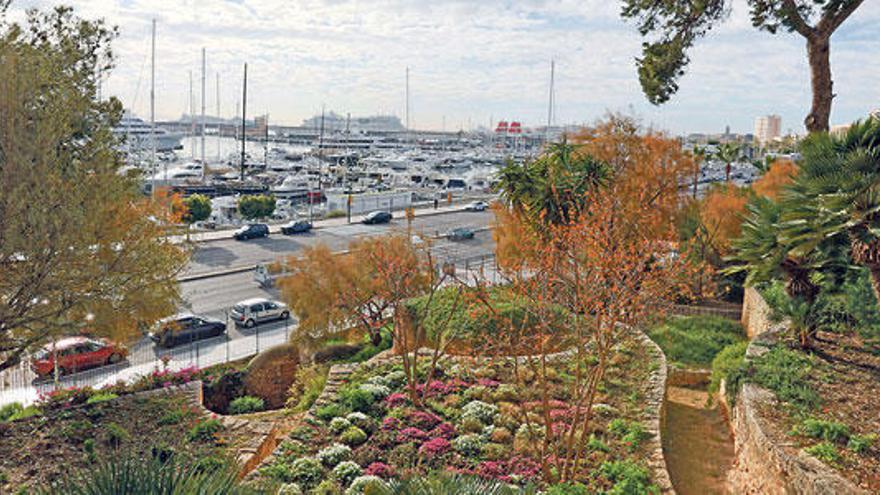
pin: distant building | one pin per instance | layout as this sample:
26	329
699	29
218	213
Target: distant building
768	128
335	122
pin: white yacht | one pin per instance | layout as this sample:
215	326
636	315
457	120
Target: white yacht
136	136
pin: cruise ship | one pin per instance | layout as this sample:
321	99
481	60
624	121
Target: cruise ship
136	136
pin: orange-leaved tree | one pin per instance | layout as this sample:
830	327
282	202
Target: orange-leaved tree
780	173
721	213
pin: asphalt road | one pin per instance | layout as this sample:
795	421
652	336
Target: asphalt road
213	296
227	254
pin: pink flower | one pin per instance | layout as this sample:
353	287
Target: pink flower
424	420
443	430
487	382
379	469
434	447
396	400
390	423
411	435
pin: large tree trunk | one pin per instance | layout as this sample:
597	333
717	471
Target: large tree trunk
875	280
819	56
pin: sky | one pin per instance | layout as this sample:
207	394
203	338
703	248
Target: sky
471	62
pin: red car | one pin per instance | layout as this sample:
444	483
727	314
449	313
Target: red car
76	354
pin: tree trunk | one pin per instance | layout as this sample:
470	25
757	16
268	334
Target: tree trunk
875	280
819	56
727	172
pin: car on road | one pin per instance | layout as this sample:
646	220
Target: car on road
477	206
377	217
185	328
251	231
251	312
460	234
296	227
76	354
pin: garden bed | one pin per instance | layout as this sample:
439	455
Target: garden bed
829	403
45	448
474	419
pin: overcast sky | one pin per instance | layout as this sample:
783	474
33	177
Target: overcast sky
470	60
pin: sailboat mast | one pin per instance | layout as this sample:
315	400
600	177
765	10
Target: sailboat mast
192	119
153	105
203	105
550	102
406	105
218	117
243	113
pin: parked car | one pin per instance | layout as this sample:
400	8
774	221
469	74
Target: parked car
460	234
251	231
377	217
185	328
477	206
76	354
296	227
250	312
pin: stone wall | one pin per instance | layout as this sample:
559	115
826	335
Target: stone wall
270	374
755	317
764	464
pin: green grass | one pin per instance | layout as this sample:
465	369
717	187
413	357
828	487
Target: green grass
725	364
695	340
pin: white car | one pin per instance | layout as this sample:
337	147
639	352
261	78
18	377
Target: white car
251	312
477	206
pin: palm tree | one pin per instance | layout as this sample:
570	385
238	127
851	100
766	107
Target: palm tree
552	187
728	153
699	154
840	177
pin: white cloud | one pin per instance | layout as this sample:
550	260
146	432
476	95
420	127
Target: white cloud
468	60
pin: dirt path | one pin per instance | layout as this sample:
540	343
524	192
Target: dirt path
697	443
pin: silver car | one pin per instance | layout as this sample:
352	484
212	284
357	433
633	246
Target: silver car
251	312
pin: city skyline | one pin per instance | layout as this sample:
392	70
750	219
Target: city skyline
468	63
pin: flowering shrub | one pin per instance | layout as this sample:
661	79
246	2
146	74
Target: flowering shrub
468	445
334	454
290	489
390	423
64	398
488	382
379	380
353	436
338	425
361	420
512	470
379	469
443	430
479	410
395	379
396	400
434	447
377	391
424	420
346	472
411	434
306	471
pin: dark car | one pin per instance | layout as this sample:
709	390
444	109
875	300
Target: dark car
75	354
460	234
296	227
251	231
186	328
377	217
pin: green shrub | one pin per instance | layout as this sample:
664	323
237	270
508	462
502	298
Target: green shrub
362	421
338	425
356	399
830	431
101	397
353	436
345	472
330	411
335	214
4	478
825	452
205	430
89	449
479	410
468	445
306	471
246	404
568	489
116	434
361	484
695	340
10	410
596	445
327	487
725	364
278	471
495	452
786	372
25	413
307	387
631	433
173	417
334	454
628	478
290	489
861	443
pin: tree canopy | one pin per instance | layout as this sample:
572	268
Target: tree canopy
674	26
254	207
80	248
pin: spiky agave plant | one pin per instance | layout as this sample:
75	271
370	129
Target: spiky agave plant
447	484
134	476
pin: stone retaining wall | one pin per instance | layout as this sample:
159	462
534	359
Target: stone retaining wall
762	466
755	317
